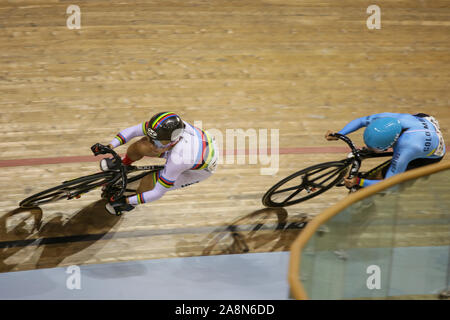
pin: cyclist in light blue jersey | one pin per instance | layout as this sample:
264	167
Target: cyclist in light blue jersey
416	141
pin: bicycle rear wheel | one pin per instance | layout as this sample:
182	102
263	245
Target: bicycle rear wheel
305	184
68	189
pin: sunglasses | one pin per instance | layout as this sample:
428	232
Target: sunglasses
175	137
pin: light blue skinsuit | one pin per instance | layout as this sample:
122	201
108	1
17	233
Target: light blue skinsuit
418	140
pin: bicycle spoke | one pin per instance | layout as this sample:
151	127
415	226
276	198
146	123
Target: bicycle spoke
326	173
331	176
315	185
292	195
310	182
289	189
314	172
90	187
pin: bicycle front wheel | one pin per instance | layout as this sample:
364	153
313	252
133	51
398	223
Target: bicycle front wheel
67	190
305	184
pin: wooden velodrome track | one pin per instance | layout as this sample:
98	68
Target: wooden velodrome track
299	66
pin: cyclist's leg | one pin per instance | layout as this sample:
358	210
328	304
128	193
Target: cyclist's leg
377	173
147	183
187	178
417	163
190	177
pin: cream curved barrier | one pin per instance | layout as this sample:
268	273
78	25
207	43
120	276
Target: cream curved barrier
385	241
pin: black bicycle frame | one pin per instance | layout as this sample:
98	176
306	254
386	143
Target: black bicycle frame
101	149
357	155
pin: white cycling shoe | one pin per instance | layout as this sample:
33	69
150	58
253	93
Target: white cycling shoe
117	208
111	209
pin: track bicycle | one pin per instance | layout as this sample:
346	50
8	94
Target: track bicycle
314	180
113	183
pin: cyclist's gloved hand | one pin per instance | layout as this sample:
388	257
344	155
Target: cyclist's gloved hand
364	150
116	207
98	148
329	135
351	182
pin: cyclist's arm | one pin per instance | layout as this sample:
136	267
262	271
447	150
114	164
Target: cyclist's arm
364	122
353	126
399	163
126	135
165	180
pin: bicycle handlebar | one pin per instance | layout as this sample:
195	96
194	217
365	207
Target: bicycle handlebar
355	152
347	141
101	149
98	149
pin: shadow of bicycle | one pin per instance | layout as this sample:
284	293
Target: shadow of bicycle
265	230
27	242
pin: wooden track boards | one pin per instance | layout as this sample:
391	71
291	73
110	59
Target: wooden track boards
298	66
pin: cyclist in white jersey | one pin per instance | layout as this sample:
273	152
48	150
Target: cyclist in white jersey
190	153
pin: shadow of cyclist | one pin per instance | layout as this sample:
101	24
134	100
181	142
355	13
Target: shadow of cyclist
264	230
46	245
13	239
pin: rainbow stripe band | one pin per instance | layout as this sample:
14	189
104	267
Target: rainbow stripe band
145	127
361	183
160	120
140	198
120	138
155	177
165	182
207	152
202	154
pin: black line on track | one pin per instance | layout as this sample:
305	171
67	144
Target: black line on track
136	234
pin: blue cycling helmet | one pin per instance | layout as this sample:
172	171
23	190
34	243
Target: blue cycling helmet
382	133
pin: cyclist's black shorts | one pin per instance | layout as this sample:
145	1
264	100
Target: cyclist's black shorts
416	163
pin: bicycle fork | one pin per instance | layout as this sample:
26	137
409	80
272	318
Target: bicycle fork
356	165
